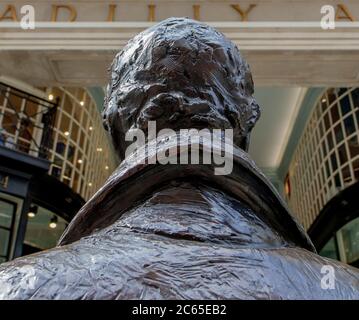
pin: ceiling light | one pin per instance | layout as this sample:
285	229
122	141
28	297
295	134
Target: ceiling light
53	222
66	133
82	103
90	184
106	168
51	97
79	161
99	149
32	212
90	128
324	100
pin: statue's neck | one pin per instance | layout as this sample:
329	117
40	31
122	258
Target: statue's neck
192	211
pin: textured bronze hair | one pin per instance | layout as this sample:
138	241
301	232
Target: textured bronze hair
182	74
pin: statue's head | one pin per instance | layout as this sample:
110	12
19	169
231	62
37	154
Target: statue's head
182	74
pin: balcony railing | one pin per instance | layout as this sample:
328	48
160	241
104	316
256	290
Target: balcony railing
26	121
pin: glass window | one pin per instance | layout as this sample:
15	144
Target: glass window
338	132
355	98
61	145
349	125
31	108
343	158
71	153
350	234
2	95
337	180
324	148
321	130
330	140
346	174
327	168
14	102
4	242
65	124
67	105
333	160
324	104
353	147
356	169
331	95
9	123
7	213
43	230
345	105
56	171
7	210
74	131
341	91
78	112
330	250
68	171
327	121
335	113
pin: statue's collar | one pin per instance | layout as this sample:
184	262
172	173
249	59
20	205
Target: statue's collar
135	178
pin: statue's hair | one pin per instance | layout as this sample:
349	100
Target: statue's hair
182	74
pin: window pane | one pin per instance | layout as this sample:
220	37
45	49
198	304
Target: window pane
326	122
345	105
9	123
353	147
333	160
31	108
355	97
350	233
68	105
330	140
6	214
335	113
330	250
356	169
338	133
337	181
349	125
327	168
4	241
342	154
14	102
40	234
346	174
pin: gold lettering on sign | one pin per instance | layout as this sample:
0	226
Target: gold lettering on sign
4	181
151	12
9	13
196	12
347	15
111	12
243	13
56	8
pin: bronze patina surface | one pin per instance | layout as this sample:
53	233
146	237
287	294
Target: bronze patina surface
179	231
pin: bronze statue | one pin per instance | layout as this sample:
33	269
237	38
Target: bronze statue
179	231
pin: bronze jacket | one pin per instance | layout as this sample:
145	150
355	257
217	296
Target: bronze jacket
180	232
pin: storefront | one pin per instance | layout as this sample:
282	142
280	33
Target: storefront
53	157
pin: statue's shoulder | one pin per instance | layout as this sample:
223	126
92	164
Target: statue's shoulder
310	276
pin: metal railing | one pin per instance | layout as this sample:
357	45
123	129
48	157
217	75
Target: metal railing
24	131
